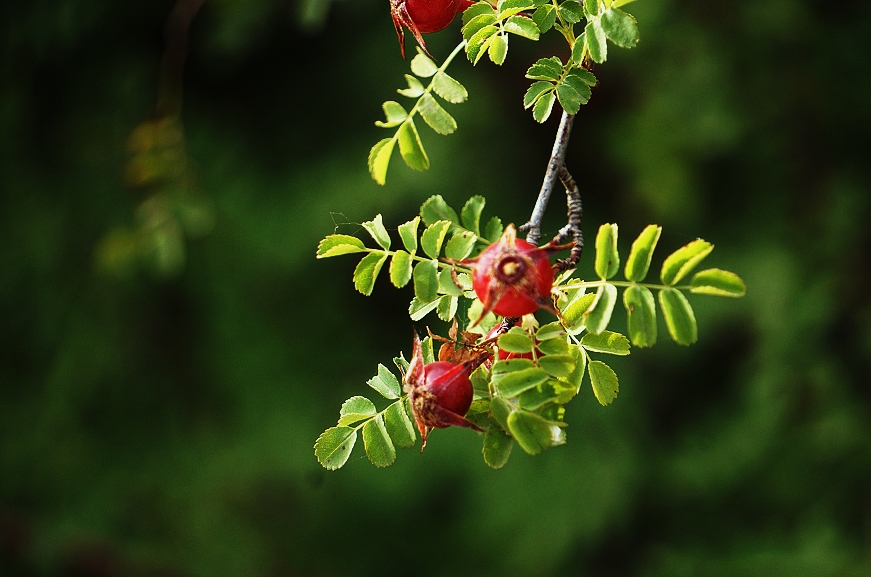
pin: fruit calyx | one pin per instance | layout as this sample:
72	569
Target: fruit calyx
440	392
423	17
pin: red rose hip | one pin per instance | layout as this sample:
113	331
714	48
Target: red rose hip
423	17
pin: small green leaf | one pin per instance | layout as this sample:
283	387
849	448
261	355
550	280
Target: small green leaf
448	88
376	440
498	49
401	364
435	116
419	309
569	98
604	381
338	244
574	80
641	252
408	234
607	257
533	433
385	383
544	17
426	347
557	365
579	50
426	282
596	41
577	375
475	24
557	346
718	282
471	214
618	3
591	8
538	397
620	27
679	316
479	42
376	230
682	261
515	341
494	229
411	148
367	271
447	308
433	236
522	26
535	92
549	331
497	448
422	65
400	269
334	446
543	107
499	410
546	69
505	5
399	425
599	314
607	342
641	315
394	113
415	88
573	313
435	209
379	159
461	244
476	10
356	409
571	12
584	76
513	383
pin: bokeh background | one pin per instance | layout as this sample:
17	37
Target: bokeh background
171	348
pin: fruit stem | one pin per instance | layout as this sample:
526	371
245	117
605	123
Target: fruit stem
557	159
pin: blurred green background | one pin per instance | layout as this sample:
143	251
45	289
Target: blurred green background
171	348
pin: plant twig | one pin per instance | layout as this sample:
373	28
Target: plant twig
573	228
557	159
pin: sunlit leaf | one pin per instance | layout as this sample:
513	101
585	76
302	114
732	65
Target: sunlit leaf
522	26
399	425
498	49
515	341
471	214
554	346
394	114
426	282
497	447
604	381
334	446
682	261
433	237
599	314
356	409
494	229
376	440
544	17
641	252
408	234
411	148
549	331
435	116
607	342
415	88
513	383
607	258
546	69
386	383
535	91
641	315
422	65
533	433
367	271
435	209
574	312
476	10
543	107
571	12
448	88
400	269
679	316
338	244
557	365
596	40
419	309
718	282
379	159
376	230
447	308
569	98
620	28
461	244
479	42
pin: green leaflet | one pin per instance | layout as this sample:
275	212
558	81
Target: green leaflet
338	244
515	340
471	214
534	433
355	410
419	309
433	236
422	65
385	383
522	26
334	446
379	159
410	146
448	88
394	114
596	41
408	234
435	116
604	381
376	230
607	258
447	307
376	441
435	209
498	49
606	342
497	447
641	315
461	244
367	271
598	315
426	282
543	107
513	383
494	229
679	316
399	425
620	27
682	261
718	282
638	262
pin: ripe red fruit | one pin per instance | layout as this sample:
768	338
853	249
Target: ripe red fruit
513	277
423	17
440	392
